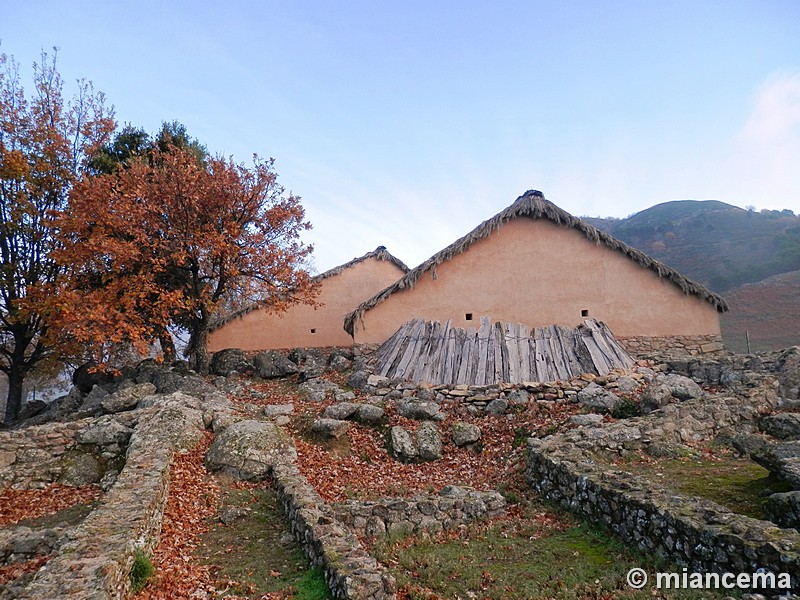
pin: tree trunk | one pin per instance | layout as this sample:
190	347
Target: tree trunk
167	346
200	347
16	376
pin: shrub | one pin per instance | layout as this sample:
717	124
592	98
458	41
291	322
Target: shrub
142	570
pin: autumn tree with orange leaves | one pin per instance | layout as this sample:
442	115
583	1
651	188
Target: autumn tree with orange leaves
161	242
45	144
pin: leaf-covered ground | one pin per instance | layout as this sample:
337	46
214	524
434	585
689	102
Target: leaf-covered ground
362	468
25	505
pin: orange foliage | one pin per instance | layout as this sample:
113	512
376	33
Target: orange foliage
161	243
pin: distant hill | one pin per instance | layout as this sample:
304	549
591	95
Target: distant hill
767	310
716	244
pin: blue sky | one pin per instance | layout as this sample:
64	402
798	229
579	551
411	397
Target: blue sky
406	124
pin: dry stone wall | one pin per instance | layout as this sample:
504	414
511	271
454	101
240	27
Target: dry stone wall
692	345
31	458
94	560
696	533
349	571
428	513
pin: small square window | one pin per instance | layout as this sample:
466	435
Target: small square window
585	312
313	330
468	317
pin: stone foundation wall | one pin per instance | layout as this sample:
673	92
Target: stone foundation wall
349	571
29	457
696	533
452	507
684	344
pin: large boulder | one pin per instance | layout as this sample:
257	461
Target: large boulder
318	390
784	509
465	434
429	442
105	431
340	363
92	403
498	406
784	426
682	387
127	398
358	379
596	397
780	458
248	450
89	375
310	361
369	414
330	428
401	445
342	410
411	408
229	360
272	364
32	408
79	468
668	389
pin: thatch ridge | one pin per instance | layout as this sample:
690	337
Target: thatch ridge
534	205
380	253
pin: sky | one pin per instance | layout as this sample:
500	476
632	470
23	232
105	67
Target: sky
406	124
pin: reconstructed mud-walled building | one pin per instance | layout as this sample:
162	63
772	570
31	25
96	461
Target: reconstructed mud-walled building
536	264
342	288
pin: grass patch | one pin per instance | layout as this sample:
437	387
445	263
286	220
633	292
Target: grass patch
529	557
141	571
255	554
738	484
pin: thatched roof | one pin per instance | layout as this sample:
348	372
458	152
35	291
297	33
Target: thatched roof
534	205
380	253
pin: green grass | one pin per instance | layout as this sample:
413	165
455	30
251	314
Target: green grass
141	571
255	554
738	484
523	558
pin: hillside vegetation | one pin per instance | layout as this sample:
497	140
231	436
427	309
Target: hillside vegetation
751	258
716	244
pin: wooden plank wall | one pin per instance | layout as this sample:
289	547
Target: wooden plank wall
511	353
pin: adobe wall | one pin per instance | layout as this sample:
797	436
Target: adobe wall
305	326
535	272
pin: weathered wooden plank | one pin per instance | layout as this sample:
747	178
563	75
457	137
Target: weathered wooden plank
423	352
428	351
410	352
500	355
454	346
463	368
512	352
598	358
396	345
525	373
472	367
617	355
483	351
446	351
537	352
563	351
491	343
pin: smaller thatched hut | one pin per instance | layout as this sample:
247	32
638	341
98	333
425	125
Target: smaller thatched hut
342	288
536	264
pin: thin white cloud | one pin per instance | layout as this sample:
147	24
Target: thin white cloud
768	145
776	114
